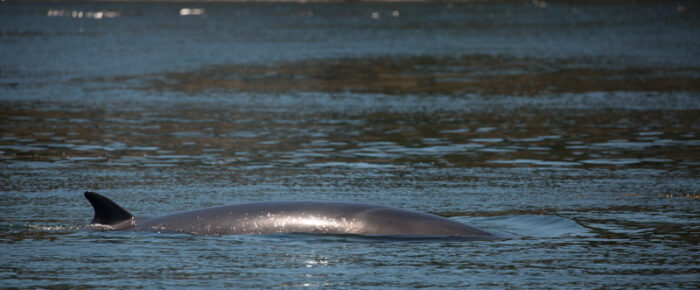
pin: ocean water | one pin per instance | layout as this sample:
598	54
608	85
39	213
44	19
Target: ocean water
568	129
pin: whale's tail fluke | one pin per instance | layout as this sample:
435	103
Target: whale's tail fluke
107	212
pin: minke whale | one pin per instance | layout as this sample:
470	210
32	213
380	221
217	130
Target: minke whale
312	217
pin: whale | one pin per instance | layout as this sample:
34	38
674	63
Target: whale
278	217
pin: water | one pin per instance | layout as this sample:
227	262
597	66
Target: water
571	130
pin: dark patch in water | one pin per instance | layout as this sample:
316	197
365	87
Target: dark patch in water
483	74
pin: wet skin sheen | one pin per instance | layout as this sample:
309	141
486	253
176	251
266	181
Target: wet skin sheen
313	217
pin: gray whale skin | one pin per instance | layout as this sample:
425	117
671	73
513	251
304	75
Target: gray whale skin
313	217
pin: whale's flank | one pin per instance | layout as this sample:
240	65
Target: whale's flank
314	217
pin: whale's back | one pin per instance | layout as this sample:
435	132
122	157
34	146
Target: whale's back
308	217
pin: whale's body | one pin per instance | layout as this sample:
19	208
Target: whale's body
314	217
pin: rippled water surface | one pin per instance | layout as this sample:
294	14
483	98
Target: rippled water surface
570	130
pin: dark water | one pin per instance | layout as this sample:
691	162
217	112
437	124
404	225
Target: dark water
571	130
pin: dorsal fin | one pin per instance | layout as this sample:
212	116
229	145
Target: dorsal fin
107	212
